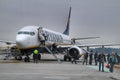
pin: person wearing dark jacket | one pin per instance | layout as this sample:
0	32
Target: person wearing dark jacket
91	57
96	57
74	60
118	58
108	56
112	61
74	57
101	59
54	48
85	58
35	56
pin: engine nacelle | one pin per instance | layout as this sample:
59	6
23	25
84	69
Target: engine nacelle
75	51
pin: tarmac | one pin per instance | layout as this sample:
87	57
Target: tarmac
52	70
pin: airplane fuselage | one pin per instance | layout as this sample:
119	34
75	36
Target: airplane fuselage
27	37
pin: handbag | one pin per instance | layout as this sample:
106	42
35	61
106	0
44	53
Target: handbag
107	65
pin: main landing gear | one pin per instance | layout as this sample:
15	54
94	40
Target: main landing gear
67	58
27	59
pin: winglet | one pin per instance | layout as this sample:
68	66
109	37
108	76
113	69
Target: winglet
66	32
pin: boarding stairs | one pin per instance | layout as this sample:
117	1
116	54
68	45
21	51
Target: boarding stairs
52	53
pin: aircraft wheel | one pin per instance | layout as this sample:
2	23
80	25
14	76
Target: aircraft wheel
19	58
27	59
69	59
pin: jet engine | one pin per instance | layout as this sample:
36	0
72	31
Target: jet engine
74	51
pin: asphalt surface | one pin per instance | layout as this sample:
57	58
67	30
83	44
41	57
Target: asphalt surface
52	70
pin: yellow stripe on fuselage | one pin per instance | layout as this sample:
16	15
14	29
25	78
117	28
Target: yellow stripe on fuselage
32	47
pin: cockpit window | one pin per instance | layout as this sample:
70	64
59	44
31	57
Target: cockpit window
32	33
19	32
27	33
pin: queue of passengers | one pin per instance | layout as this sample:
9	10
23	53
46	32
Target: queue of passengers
100	59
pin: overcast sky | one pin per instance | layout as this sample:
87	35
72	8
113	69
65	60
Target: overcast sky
88	18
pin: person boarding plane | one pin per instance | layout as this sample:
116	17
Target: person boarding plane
30	38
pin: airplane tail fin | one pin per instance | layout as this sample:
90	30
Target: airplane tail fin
66	32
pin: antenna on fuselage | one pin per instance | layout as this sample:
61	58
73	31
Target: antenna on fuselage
66	32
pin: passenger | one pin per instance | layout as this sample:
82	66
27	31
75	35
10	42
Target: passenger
119	61
39	56
54	48
101	59
35	56
112	61
74	58
27	59
91	57
85	58
45	36
118	58
43	39
96	57
108	56
41	36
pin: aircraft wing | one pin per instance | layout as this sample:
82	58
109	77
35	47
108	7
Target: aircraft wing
84	38
7	42
74	39
92	45
95	45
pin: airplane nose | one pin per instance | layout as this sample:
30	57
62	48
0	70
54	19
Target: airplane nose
21	41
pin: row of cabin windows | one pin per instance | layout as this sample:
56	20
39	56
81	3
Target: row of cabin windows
27	33
53	37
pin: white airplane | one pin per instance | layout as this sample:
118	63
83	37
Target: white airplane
27	40
27	37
